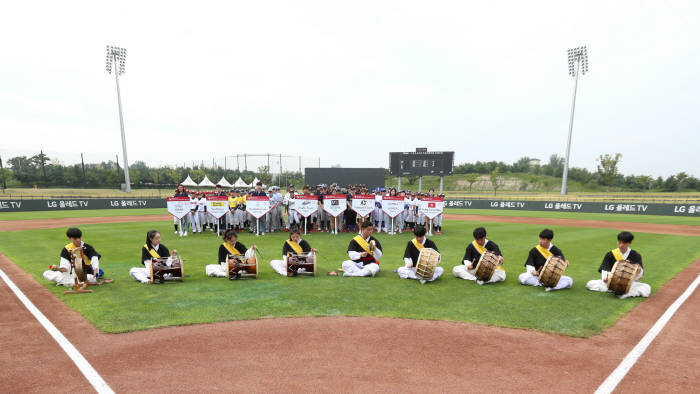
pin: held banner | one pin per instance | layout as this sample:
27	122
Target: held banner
257	206
335	204
178	206
432	206
217	206
306	205
392	205
363	204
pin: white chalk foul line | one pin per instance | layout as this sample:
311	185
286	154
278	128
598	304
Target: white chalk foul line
619	373
83	365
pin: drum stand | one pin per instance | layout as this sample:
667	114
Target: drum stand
78	288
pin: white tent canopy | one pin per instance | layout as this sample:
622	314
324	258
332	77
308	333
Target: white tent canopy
240	183
223	182
206	182
255	182
189	182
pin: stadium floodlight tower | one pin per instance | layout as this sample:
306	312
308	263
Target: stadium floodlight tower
578	64
116	57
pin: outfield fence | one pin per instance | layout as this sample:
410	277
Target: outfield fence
60	204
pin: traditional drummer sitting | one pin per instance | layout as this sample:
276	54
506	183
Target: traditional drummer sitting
623	252
63	275
152	250
538	257
364	251
473	253
410	256
230	246
294	245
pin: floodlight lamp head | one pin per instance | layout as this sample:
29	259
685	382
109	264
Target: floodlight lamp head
578	55
118	55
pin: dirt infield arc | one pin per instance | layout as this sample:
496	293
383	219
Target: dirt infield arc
335	354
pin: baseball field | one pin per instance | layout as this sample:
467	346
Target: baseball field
328	333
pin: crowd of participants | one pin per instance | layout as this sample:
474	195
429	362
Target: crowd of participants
282	215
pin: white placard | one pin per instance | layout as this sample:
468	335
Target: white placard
431	206
178	206
306	205
335	204
363	204
257	206
217	206
392	205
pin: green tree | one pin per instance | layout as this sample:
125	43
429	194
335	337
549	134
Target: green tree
411	179
607	168
533	180
264	175
472	178
495	178
680	178
5	176
644	181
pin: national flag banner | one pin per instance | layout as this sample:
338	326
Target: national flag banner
306	205
363	204
257	206
335	204
178	206
392	205
432	206
217	206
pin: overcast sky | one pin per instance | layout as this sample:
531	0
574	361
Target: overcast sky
351	81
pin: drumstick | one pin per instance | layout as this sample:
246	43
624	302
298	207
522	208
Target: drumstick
258	252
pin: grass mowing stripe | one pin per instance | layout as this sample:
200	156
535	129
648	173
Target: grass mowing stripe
127	305
87	213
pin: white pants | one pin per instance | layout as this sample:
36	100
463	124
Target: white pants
217	270
196	226
292	218
351	268
142	275
565	282
64	278
638	289
461	271
410	273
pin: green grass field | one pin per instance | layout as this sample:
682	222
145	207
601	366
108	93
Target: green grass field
127	305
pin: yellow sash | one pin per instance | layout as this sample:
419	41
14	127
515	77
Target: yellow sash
544	252
363	244
231	249
297	248
617	254
478	247
417	244
70	248
152	251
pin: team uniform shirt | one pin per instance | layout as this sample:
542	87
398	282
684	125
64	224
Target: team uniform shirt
412	252
194	204
202	202
536	259
160	250
472	255
355	249
609	260
224	252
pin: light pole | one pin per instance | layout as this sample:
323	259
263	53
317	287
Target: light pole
578	63
117	57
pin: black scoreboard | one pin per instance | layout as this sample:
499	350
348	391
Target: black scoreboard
421	162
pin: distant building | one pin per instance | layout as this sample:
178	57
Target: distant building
533	162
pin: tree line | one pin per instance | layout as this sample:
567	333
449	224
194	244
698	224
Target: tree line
40	170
